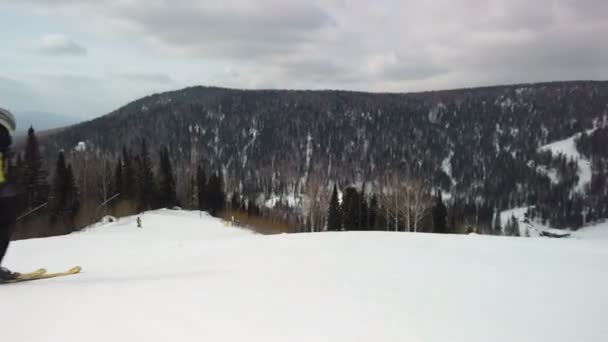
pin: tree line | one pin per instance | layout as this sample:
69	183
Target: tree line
86	184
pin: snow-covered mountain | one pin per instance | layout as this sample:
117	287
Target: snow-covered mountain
186	276
482	145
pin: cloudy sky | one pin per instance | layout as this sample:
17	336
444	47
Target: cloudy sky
85	58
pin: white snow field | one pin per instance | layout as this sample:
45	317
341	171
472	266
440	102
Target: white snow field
188	277
567	147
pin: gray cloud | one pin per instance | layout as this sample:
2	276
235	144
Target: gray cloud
58	44
235	29
147	77
381	45
16	94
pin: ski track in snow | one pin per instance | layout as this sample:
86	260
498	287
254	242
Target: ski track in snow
188	277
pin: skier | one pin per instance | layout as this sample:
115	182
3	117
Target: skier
7	191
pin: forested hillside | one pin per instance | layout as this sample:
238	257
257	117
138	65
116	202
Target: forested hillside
481	147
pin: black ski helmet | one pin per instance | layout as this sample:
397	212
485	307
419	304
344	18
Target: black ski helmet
7	120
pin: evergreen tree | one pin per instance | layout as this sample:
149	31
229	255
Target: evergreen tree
440	215
221	195
117	184
351	209
334	217
129	184
497	227
60	188
147	185
363	212
168	194
453	218
509	227
373	213
201	180
250	208
235	201
512	227
515	227
216	199
64	202
72	198
34	176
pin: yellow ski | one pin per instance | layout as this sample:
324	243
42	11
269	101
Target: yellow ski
36	273
41	274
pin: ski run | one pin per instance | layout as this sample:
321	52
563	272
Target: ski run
186	276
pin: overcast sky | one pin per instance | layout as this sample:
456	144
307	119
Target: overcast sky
88	57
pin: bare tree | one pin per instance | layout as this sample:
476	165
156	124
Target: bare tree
389	190
104	182
420	201
315	203
405	198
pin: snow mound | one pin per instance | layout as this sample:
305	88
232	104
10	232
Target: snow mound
186	276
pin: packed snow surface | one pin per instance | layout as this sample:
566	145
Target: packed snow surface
188	277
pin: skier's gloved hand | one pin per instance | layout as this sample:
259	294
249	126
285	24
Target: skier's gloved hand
8	191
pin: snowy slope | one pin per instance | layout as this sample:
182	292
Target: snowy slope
593	232
567	147
188	277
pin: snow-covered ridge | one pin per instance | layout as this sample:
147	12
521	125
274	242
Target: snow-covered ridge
186	276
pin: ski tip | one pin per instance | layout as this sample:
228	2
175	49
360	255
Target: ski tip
76	269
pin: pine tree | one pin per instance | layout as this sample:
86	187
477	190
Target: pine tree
373	213
509	227
440	215
221	195
60	188
497	226
117	183
72	198
515	227
363	212
216	198
250	208
235	201
34	176
129	185
168	194
351	209
147	185
201	180
334	216
64	201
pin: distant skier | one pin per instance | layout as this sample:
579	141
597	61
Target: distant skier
8	193
139	222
